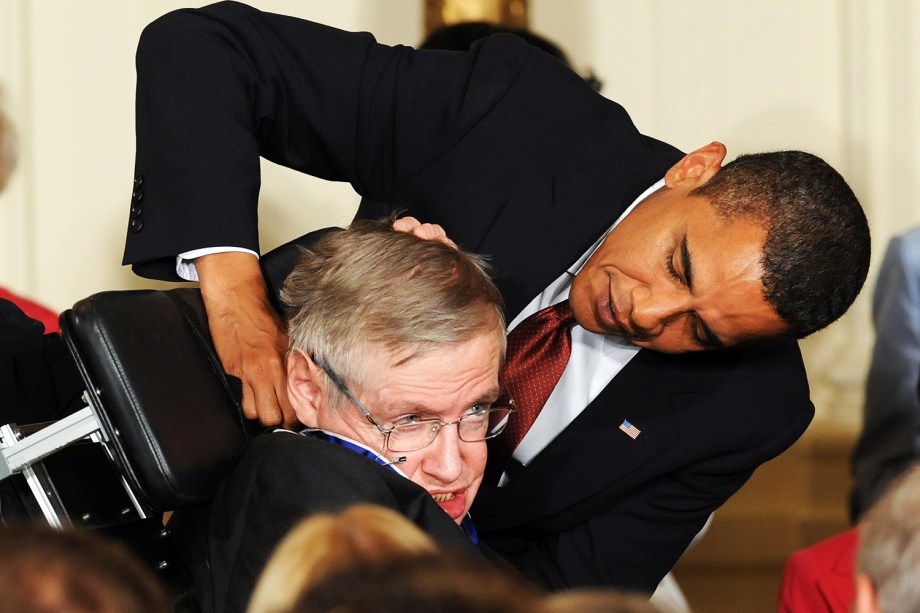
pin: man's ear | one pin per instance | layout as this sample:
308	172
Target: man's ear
866	600
306	388
697	167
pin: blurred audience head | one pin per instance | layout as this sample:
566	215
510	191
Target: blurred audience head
43	570
597	600
325	543
888	561
447	582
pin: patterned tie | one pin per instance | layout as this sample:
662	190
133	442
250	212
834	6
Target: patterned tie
538	350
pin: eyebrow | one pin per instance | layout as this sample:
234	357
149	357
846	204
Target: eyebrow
710	336
489	397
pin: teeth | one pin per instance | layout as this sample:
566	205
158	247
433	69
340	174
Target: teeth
443	497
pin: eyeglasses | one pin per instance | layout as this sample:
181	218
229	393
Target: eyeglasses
412	433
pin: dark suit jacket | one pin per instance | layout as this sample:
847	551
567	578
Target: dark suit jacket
281	479
518	159
38	379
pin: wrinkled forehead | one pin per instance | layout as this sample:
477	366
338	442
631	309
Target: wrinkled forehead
442	376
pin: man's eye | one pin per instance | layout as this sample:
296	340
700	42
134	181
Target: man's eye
476	411
669	262
407	421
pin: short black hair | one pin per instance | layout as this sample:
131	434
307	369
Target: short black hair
816	253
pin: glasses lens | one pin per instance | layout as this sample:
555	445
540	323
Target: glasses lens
413	436
484	425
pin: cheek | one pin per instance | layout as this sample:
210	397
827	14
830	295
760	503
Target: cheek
412	467
474	461
673	340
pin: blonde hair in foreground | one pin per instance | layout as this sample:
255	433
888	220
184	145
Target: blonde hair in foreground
43	570
326	543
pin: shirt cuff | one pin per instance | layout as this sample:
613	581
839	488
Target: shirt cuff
185	262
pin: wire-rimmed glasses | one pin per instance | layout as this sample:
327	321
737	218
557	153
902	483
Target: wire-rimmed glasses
411	433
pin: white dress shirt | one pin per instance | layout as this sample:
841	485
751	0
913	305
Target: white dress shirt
594	362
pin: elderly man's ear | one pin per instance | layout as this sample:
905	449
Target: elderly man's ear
306	387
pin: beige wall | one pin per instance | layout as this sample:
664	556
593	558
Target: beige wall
831	76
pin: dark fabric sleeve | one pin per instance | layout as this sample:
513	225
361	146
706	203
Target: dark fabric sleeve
282	479
890	438
38	378
220	86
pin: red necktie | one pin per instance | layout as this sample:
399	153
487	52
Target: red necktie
538	350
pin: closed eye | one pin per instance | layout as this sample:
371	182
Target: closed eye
669	264
407	420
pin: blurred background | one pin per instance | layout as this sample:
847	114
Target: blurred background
839	78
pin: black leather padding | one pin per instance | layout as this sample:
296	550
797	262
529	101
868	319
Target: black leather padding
147	358
150	368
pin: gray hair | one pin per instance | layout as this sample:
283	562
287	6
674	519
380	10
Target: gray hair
370	284
889	547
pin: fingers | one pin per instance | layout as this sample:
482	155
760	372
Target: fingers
247	334
425	231
406	224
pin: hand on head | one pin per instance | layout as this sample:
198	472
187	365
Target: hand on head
427	231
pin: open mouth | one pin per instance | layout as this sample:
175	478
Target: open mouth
443	497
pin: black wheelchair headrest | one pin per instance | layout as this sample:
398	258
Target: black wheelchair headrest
173	416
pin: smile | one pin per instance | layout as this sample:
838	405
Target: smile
443	497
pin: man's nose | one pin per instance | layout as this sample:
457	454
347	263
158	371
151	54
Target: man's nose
654	308
443	459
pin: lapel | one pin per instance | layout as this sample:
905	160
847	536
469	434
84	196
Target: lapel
557	479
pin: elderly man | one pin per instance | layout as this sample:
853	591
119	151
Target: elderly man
393	367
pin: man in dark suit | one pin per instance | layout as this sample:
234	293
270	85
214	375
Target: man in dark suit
395	348
518	158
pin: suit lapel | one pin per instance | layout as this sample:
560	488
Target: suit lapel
641	393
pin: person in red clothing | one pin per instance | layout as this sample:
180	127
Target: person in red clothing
820	578
34	310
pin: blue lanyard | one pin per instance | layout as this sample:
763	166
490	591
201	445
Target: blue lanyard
466	524
356	447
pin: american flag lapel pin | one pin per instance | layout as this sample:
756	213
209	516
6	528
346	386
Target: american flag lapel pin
630	430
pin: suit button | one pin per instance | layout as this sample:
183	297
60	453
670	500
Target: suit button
136	210
136	224
138	180
137	195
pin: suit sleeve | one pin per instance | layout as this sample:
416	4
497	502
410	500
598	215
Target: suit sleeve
890	439
221	86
